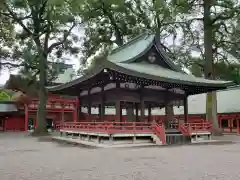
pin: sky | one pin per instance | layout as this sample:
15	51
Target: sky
5	73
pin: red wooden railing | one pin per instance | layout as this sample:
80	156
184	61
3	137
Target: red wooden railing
185	129
107	127
188	128
116	127
134	127
159	130
56	104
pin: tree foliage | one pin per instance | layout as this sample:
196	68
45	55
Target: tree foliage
223	21
180	23
110	23
46	26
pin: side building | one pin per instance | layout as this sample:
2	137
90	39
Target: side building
19	103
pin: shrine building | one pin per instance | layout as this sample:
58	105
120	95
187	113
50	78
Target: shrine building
136	76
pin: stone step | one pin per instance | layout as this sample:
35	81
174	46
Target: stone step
156	139
177	139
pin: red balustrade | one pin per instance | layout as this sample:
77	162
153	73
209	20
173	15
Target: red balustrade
188	128
56	104
116	127
159	130
107	127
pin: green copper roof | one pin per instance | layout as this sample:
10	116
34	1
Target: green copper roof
6	95
132	50
151	71
132	59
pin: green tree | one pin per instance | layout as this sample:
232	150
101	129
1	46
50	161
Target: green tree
48	26
110	23
6	39
211	36
29	68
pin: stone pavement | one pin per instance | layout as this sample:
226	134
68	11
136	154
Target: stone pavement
25	158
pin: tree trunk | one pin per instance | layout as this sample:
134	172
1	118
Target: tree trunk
41	127
211	100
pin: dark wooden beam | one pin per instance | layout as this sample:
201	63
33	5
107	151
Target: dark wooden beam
137	111
102	104
142	104
89	107
149	112
79	108
185	102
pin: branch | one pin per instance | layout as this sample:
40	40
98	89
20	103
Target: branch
20	18
47	33
17	19
10	64
65	36
199	64
32	79
223	17
183	22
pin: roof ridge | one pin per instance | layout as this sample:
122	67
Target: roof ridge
131	41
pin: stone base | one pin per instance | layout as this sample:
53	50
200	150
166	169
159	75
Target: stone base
177	139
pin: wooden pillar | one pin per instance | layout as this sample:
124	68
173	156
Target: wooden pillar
169	107
137	111
149	112
238	130
118	106
142	107
89	106
168	113
118	111
26	118
79	108
130	111
99	112
102	105
121	116
75	112
185	104
62	115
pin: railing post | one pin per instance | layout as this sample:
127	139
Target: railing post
134	127
237	126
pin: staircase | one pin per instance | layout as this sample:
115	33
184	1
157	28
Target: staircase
174	136
179	134
185	129
159	136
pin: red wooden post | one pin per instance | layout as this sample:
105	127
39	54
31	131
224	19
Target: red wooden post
62	113
75	112
26	118
34	123
220	122
238	130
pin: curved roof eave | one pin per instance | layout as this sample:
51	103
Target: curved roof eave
148	75
81	79
117	67
167	59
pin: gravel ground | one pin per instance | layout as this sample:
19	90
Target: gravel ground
25	158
